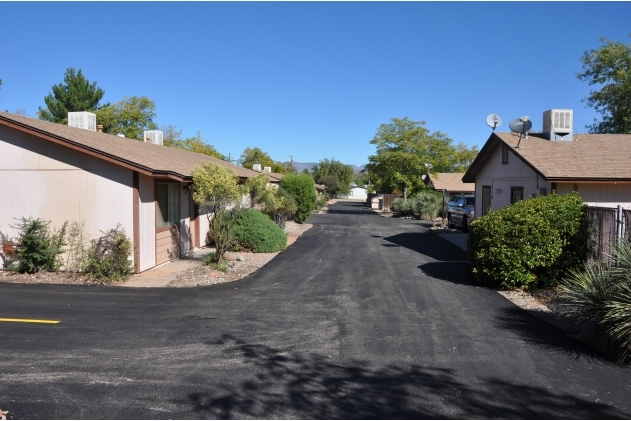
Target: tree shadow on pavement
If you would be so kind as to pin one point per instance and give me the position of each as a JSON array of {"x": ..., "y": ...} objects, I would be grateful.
[
  {"x": 429, "y": 245},
  {"x": 540, "y": 333},
  {"x": 282, "y": 384},
  {"x": 351, "y": 208},
  {"x": 455, "y": 272}
]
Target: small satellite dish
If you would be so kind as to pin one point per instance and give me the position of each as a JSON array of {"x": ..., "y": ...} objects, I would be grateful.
[
  {"x": 520, "y": 126},
  {"x": 493, "y": 120}
]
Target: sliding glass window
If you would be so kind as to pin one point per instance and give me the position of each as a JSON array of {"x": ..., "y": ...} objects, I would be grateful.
[{"x": 167, "y": 204}]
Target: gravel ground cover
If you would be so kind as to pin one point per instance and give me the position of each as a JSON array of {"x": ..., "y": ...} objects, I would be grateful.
[{"x": 200, "y": 275}]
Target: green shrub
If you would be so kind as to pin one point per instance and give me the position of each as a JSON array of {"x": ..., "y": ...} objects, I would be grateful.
[
  {"x": 280, "y": 206},
  {"x": 255, "y": 231},
  {"x": 108, "y": 256},
  {"x": 599, "y": 297},
  {"x": 302, "y": 188},
  {"x": 221, "y": 265},
  {"x": 37, "y": 247},
  {"x": 530, "y": 243}
]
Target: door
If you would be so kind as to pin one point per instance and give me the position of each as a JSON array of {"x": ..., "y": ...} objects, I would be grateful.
[{"x": 486, "y": 199}]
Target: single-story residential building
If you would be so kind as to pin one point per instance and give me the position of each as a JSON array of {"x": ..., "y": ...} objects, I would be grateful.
[
  {"x": 451, "y": 182},
  {"x": 358, "y": 193},
  {"x": 512, "y": 167},
  {"x": 61, "y": 173}
]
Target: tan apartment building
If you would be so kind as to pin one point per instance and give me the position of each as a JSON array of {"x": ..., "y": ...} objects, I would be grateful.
[{"x": 61, "y": 173}]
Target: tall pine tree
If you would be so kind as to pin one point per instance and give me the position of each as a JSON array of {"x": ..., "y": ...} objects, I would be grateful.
[{"x": 76, "y": 93}]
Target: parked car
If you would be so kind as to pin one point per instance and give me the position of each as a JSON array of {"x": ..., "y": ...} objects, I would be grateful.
[{"x": 460, "y": 211}]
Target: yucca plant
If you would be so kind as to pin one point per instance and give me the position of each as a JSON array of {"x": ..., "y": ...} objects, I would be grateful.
[{"x": 599, "y": 297}]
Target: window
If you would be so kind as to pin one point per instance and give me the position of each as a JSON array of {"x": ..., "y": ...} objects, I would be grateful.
[
  {"x": 516, "y": 194},
  {"x": 504, "y": 154},
  {"x": 167, "y": 204}
]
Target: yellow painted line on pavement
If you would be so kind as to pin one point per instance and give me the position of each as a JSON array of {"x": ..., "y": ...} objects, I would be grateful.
[{"x": 49, "y": 322}]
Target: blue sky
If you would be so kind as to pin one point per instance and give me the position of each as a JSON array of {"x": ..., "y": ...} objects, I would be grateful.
[{"x": 313, "y": 80}]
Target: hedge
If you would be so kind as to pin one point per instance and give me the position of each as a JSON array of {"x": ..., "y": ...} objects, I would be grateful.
[{"x": 531, "y": 243}]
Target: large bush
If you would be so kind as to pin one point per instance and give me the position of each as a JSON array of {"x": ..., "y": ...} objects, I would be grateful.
[
  {"x": 108, "y": 256},
  {"x": 530, "y": 243},
  {"x": 599, "y": 297},
  {"x": 38, "y": 248},
  {"x": 255, "y": 231},
  {"x": 302, "y": 188}
]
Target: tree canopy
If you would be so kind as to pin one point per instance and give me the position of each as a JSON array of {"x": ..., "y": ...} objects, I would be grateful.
[
  {"x": 334, "y": 175},
  {"x": 251, "y": 156},
  {"x": 130, "y": 116},
  {"x": 75, "y": 93},
  {"x": 609, "y": 67},
  {"x": 406, "y": 151},
  {"x": 171, "y": 136}
]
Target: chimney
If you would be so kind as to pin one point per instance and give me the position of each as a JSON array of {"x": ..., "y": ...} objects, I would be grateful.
[
  {"x": 256, "y": 167},
  {"x": 267, "y": 169},
  {"x": 99, "y": 127}
]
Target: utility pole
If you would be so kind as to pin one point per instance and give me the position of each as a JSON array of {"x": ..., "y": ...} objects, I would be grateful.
[{"x": 291, "y": 164}]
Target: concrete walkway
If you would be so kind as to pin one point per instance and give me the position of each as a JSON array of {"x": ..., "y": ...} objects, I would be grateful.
[{"x": 160, "y": 276}]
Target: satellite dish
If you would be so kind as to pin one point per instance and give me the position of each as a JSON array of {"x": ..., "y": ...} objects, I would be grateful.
[
  {"x": 520, "y": 126},
  {"x": 493, "y": 120}
]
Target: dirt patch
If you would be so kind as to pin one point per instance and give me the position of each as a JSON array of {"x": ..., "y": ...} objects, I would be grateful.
[
  {"x": 206, "y": 275},
  {"x": 199, "y": 275}
]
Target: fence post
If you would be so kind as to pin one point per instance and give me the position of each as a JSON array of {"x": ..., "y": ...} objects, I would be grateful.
[{"x": 619, "y": 223}]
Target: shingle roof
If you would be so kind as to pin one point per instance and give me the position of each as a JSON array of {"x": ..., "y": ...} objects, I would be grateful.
[
  {"x": 597, "y": 157},
  {"x": 450, "y": 182},
  {"x": 147, "y": 157}
]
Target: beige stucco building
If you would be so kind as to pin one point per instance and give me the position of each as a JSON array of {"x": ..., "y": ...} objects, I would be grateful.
[
  {"x": 597, "y": 166},
  {"x": 60, "y": 173}
]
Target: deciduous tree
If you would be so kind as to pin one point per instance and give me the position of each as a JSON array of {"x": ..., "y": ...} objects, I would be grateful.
[
  {"x": 609, "y": 67},
  {"x": 75, "y": 93},
  {"x": 216, "y": 191},
  {"x": 334, "y": 175},
  {"x": 171, "y": 137},
  {"x": 404, "y": 147},
  {"x": 130, "y": 116}
]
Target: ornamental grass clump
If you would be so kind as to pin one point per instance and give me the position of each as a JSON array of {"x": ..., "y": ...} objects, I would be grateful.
[
  {"x": 598, "y": 297},
  {"x": 531, "y": 243}
]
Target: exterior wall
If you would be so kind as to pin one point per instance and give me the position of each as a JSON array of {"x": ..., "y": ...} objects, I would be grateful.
[
  {"x": 44, "y": 180},
  {"x": 600, "y": 194},
  {"x": 147, "y": 217},
  {"x": 358, "y": 193},
  {"x": 204, "y": 226},
  {"x": 167, "y": 245},
  {"x": 501, "y": 177}
]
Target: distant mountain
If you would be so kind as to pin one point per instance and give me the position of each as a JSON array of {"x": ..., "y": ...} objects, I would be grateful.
[{"x": 300, "y": 166}]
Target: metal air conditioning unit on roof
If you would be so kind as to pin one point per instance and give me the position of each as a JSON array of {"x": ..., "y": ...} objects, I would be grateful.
[
  {"x": 82, "y": 120},
  {"x": 557, "y": 124},
  {"x": 267, "y": 169},
  {"x": 256, "y": 167},
  {"x": 153, "y": 136}
]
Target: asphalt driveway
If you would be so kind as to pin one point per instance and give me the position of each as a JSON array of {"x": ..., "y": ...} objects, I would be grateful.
[{"x": 362, "y": 317}]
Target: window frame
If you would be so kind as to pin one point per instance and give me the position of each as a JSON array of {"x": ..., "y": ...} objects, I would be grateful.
[
  {"x": 504, "y": 154},
  {"x": 157, "y": 208}
]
